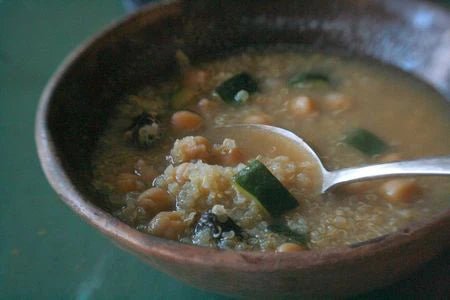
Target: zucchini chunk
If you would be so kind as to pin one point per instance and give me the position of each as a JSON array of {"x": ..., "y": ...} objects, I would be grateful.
[
  {"x": 261, "y": 185},
  {"x": 237, "y": 89},
  {"x": 365, "y": 141},
  {"x": 309, "y": 79}
]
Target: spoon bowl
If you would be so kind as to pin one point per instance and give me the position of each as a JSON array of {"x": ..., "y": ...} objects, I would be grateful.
[{"x": 298, "y": 148}]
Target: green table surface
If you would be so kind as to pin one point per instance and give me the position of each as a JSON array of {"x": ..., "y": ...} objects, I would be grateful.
[{"x": 46, "y": 251}]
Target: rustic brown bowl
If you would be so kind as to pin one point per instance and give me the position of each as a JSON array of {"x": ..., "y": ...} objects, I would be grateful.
[{"x": 139, "y": 50}]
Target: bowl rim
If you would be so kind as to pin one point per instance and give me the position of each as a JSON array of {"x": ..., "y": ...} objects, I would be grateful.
[{"x": 148, "y": 245}]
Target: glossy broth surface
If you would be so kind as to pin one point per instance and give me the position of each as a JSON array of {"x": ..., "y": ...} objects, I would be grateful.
[{"x": 189, "y": 176}]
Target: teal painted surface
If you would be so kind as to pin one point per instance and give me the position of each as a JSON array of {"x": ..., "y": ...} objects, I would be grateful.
[{"x": 46, "y": 251}]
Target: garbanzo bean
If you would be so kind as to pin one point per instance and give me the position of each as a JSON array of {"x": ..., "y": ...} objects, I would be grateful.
[
  {"x": 337, "y": 102},
  {"x": 145, "y": 172},
  {"x": 290, "y": 247},
  {"x": 260, "y": 118},
  {"x": 182, "y": 173},
  {"x": 232, "y": 158},
  {"x": 168, "y": 224},
  {"x": 154, "y": 200},
  {"x": 127, "y": 182},
  {"x": 400, "y": 190},
  {"x": 303, "y": 107},
  {"x": 191, "y": 148},
  {"x": 194, "y": 78},
  {"x": 186, "y": 121},
  {"x": 228, "y": 154}
]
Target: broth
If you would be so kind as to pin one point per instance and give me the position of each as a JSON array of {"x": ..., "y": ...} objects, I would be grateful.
[{"x": 170, "y": 185}]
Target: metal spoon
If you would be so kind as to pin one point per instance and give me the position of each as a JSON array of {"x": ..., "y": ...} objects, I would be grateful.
[{"x": 330, "y": 179}]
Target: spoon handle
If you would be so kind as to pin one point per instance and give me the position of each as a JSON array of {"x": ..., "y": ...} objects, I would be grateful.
[{"x": 426, "y": 166}]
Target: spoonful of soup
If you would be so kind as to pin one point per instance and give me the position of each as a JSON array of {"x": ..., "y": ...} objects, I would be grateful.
[{"x": 264, "y": 140}]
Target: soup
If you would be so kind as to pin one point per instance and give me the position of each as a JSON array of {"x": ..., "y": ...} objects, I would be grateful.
[{"x": 165, "y": 171}]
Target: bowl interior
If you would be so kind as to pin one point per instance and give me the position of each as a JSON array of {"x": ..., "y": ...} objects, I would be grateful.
[{"x": 140, "y": 51}]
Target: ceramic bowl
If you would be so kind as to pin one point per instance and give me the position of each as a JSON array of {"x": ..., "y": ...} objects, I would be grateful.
[{"x": 139, "y": 50}]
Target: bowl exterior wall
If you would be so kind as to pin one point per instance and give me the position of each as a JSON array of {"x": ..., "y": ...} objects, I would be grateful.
[{"x": 331, "y": 275}]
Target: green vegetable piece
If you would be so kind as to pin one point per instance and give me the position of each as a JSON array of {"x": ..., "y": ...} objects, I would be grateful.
[
  {"x": 236, "y": 89},
  {"x": 309, "y": 79},
  {"x": 182, "y": 98},
  {"x": 256, "y": 180},
  {"x": 365, "y": 141},
  {"x": 283, "y": 229}
]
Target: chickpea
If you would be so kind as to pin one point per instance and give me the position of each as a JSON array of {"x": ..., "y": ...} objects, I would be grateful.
[
  {"x": 168, "y": 224},
  {"x": 191, "y": 148},
  {"x": 184, "y": 120},
  {"x": 194, "y": 79},
  {"x": 260, "y": 118},
  {"x": 232, "y": 158},
  {"x": 303, "y": 106},
  {"x": 400, "y": 190},
  {"x": 147, "y": 173},
  {"x": 228, "y": 154},
  {"x": 182, "y": 173},
  {"x": 127, "y": 182},
  {"x": 290, "y": 247},
  {"x": 337, "y": 102},
  {"x": 154, "y": 200}
]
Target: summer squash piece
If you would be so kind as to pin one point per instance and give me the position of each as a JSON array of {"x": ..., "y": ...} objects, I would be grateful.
[
  {"x": 305, "y": 79},
  {"x": 232, "y": 89},
  {"x": 365, "y": 141},
  {"x": 258, "y": 182}
]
